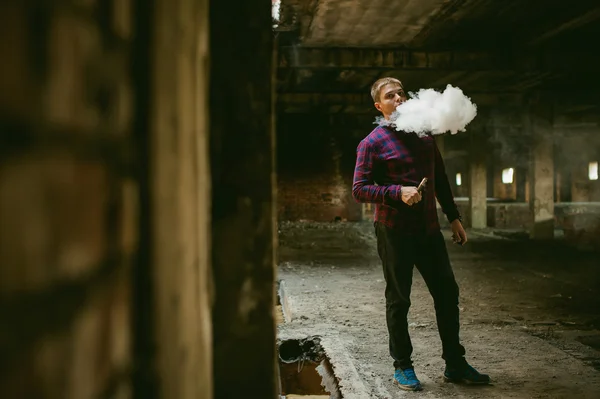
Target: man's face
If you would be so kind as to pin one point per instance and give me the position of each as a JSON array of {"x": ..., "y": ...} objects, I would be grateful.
[{"x": 390, "y": 96}]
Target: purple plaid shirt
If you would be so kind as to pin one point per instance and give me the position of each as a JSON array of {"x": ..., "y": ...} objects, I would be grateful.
[{"x": 386, "y": 160}]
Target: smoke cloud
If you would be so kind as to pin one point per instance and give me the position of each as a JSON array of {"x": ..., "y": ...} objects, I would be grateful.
[{"x": 429, "y": 111}]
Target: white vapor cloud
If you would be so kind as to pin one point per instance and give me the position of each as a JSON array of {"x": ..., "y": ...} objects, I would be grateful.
[{"x": 429, "y": 111}]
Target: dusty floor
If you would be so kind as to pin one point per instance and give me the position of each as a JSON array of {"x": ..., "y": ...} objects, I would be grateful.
[{"x": 530, "y": 313}]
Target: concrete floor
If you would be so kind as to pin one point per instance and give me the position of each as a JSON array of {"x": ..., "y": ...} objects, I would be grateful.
[{"x": 530, "y": 313}]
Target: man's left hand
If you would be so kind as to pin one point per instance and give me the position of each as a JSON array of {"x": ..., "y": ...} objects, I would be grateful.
[{"x": 459, "y": 235}]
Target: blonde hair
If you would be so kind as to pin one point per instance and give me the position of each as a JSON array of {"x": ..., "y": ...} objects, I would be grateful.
[{"x": 378, "y": 85}]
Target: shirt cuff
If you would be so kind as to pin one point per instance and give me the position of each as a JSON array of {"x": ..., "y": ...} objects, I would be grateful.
[
  {"x": 452, "y": 216},
  {"x": 395, "y": 193}
]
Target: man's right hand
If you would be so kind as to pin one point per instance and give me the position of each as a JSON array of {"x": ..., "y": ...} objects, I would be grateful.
[{"x": 410, "y": 195}]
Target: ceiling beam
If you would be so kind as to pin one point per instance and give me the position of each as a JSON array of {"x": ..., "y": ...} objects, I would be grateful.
[
  {"x": 437, "y": 22},
  {"x": 576, "y": 22},
  {"x": 402, "y": 59}
]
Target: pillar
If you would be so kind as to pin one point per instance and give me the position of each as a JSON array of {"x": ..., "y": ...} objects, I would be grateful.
[
  {"x": 539, "y": 122},
  {"x": 521, "y": 183},
  {"x": 243, "y": 211},
  {"x": 478, "y": 180},
  {"x": 173, "y": 281},
  {"x": 580, "y": 182},
  {"x": 581, "y": 145}
]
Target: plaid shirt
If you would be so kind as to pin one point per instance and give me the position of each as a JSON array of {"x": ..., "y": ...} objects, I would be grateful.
[{"x": 386, "y": 160}]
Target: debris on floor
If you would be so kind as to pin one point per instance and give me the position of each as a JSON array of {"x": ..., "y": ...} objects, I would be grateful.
[{"x": 528, "y": 341}]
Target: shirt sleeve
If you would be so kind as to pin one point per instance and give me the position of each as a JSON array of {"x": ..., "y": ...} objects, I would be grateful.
[
  {"x": 364, "y": 188},
  {"x": 443, "y": 192}
]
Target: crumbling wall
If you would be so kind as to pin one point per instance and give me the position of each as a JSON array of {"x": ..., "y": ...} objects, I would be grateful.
[
  {"x": 320, "y": 198},
  {"x": 316, "y": 158},
  {"x": 104, "y": 200},
  {"x": 68, "y": 200}
]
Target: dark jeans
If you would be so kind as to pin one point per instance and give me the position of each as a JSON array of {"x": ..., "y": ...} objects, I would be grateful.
[{"x": 399, "y": 253}]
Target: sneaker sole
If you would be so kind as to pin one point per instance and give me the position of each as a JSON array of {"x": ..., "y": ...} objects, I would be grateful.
[
  {"x": 408, "y": 388},
  {"x": 463, "y": 381}
]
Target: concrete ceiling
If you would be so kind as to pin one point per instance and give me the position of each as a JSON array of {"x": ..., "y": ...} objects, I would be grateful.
[
  {"x": 448, "y": 24},
  {"x": 330, "y": 51},
  {"x": 369, "y": 22}
]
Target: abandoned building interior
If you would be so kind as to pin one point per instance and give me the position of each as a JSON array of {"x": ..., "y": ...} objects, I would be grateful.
[{"x": 176, "y": 209}]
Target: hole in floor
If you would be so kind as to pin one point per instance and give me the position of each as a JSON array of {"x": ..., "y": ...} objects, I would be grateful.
[{"x": 306, "y": 371}]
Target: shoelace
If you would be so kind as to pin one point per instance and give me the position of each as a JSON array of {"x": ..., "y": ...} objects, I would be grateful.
[{"x": 409, "y": 374}]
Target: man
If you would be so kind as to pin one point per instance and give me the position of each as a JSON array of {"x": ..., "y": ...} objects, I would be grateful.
[{"x": 389, "y": 167}]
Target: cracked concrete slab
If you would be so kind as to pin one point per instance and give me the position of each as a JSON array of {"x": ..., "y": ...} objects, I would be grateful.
[{"x": 335, "y": 288}]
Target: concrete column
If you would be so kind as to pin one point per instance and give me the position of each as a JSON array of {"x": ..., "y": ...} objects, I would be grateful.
[
  {"x": 243, "y": 211},
  {"x": 521, "y": 183},
  {"x": 577, "y": 195},
  {"x": 580, "y": 183},
  {"x": 478, "y": 180},
  {"x": 542, "y": 172}
]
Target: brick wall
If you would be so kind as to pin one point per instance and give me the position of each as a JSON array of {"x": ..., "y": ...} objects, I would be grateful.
[
  {"x": 315, "y": 166},
  {"x": 320, "y": 198},
  {"x": 104, "y": 200},
  {"x": 67, "y": 199},
  {"x": 106, "y": 284},
  {"x": 509, "y": 216},
  {"x": 518, "y": 215}
]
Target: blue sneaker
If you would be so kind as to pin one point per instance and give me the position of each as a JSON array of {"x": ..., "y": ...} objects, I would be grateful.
[
  {"x": 407, "y": 379},
  {"x": 467, "y": 374}
]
